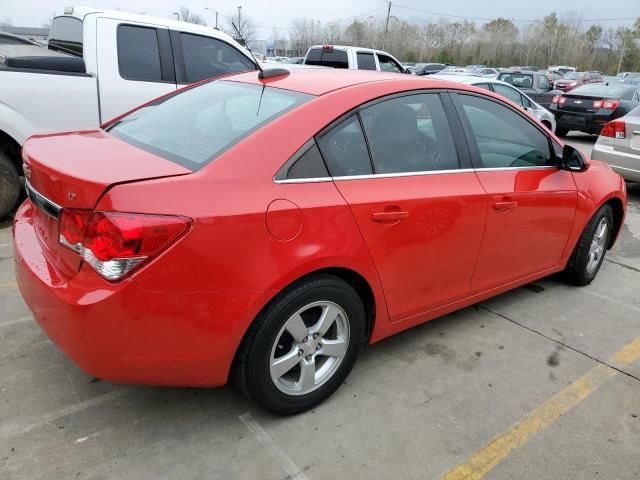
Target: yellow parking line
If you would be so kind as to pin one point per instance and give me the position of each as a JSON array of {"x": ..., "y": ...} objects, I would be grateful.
[
  {"x": 8, "y": 285},
  {"x": 486, "y": 459}
]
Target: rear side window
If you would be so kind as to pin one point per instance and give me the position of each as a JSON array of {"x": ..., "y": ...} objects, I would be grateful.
[
  {"x": 206, "y": 57},
  {"x": 345, "y": 150},
  {"x": 65, "y": 35},
  {"x": 504, "y": 138},
  {"x": 366, "y": 61},
  {"x": 194, "y": 126},
  {"x": 138, "y": 53},
  {"x": 544, "y": 82},
  {"x": 327, "y": 57},
  {"x": 510, "y": 93},
  {"x": 308, "y": 164},
  {"x": 409, "y": 134}
]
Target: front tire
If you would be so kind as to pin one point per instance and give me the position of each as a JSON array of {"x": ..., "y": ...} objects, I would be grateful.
[
  {"x": 302, "y": 346},
  {"x": 9, "y": 185},
  {"x": 588, "y": 255}
]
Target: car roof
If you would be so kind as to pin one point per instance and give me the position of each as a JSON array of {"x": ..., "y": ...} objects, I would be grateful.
[
  {"x": 321, "y": 81},
  {"x": 351, "y": 47}
]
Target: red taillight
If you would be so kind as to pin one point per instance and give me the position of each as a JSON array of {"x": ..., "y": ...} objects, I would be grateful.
[
  {"x": 115, "y": 243},
  {"x": 72, "y": 225},
  {"x": 598, "y": 103},
  {"x": 327, "y": 47},
  {"x": 615, "y": 129},
  {"x": 610, "y": 104},
  {"x": 555, "y": 99}
]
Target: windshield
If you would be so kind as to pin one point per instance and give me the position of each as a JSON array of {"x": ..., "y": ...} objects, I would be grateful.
[
  {"x": 520, "y": 80},
  {"x": 574, "y": 76},
  {"x": 193, "y": 127}
]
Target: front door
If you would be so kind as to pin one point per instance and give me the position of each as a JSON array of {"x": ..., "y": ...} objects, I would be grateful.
[
  {"x": 530, "y": 202},
  {"x": 420, "y": 214}
]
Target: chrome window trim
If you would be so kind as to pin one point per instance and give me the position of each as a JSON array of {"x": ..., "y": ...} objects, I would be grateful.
[
  {"x": 410, "y": 174},
  {"x": 47, "y": 206}
]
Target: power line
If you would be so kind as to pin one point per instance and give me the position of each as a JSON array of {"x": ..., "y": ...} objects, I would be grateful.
[
  {"x": 360, "y": 15},
  {"x": 483, "y": 19}
]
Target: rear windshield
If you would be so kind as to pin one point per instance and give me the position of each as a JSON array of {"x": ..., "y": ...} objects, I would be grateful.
[
  {"x": 65, "y": 35},
  {"x": 520, "y": 80},
  {"x": 600, "y": 90},
  {"x": 634, "y": 113},
  {"x": 327, "y": 58},
  {"x": 193, "y": 127}
]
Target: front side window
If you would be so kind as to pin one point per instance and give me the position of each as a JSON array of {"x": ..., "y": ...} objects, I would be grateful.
[
  {"x": 65, "y": 35},
  {"x": 366, "y": 61},
  {"x": 409, "y": 134},
  {"x": 206, "y": 57},
  {"x": 344, "y": 149},
  {"x": 138, "y": 53},
  {"x": 388, "y": 64},
  {"x": 194, "y": 126},
  {"x": 504, "y": 138},
  {"x": 544, "y": 83}
]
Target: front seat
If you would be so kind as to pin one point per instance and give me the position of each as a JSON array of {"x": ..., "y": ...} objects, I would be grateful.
[{"x": 395, "y": 141}]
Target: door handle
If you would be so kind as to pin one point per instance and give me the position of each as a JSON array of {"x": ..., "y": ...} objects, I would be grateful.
[
  {"x": 389, "y": 216},
  {"x": 505, "y": 205}
]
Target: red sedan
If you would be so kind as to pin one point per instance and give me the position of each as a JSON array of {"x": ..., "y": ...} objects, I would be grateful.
[{"x": 266, "y": 227}]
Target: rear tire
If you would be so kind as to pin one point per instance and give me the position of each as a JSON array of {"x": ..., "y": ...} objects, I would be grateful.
[
  {"x": 9, "y": 185},
  {"x": 589, "y": 253},
  {"x": 291, "y": 360},
  {"x": 561, "y": 132}
]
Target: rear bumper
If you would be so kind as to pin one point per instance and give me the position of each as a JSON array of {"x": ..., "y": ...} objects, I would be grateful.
[
  {"x": 125, "y": 333},
  {"x": 583, "y": 122},
  {"x": 627, "y": 165}
]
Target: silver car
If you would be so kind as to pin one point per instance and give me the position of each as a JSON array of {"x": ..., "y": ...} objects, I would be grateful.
[
  {"x": 619, "y": 145},
  {"x": 506, "y": 90}
]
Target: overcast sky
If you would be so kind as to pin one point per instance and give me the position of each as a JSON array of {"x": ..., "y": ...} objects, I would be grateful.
[{"x": 278, "y": 13}]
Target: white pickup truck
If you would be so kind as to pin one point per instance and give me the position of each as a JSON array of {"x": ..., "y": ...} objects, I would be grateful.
[
  {"x": 98, "y": 65},
  {"x": 354, "y": 58}
]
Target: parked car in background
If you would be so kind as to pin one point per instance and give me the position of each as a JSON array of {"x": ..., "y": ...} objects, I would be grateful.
[
  {"x": 526, "y": 68},
  {"x": 589, "y": 107},
  {"x": 562, "y": 69},
  {"x": 353, "y": 58},
  {"x": 295, "y": 60},
  {"x": 485, "y": 72},
  {"x": 534, "y": 84},
  {"x": 103, "y": 63},
  {"x": 506, "y": 90},
  {"x": 263, "y": 227},
  {"x": 475, "y": 66},
  {"x": 619, "y": 145},
  {"x": 428, "y": 68},
  {"x": 572, "y": 80}
]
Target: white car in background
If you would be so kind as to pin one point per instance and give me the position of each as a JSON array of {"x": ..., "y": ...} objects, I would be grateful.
[
  {"x": 507, "y": 91},
  {"x": 619, "y": 145}
]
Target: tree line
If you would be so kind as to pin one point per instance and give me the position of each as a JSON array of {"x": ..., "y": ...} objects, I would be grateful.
[{"x": 499, "y": 42}]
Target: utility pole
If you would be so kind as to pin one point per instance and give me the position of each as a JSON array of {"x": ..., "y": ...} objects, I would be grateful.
[
  {"x": 240, "y": 17},
  {"x": 624, "y": 45},
  {"x": 216, "y": 12},
  {"x": 386, "y": 27}
]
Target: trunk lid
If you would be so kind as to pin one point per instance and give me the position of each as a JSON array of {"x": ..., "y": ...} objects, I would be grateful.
[
  {"x": 631, "y": 142},
  {"x": 73, "y": 170}
]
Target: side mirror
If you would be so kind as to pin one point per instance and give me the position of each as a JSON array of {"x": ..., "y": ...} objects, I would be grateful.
[{"x": 572, "y": 160}]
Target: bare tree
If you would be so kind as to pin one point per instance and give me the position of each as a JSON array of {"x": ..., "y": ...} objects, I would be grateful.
[
  {"x": 241, "y": 27},
  {"x": 186, "y": 15},
  {"x": 6, "y": 22}
]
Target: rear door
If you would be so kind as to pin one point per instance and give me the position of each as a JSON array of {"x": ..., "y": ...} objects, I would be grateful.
[
  {"x": 135, "y": 65},
  {"x": 420, "y": 208},
  {"x": 531, "y": 203}
]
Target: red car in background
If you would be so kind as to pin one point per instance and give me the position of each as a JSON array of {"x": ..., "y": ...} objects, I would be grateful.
[
  {"x": 265, "y": 227},
  {"x": 572, "y": 80}
]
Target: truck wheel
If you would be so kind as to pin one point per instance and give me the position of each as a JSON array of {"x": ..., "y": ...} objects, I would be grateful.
[
  {"x": 9, "y": 185},
  {"x": 561, "y": 132}
]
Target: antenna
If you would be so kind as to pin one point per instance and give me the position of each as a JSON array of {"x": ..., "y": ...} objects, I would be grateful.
[{"x": 246, "y": 46}]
